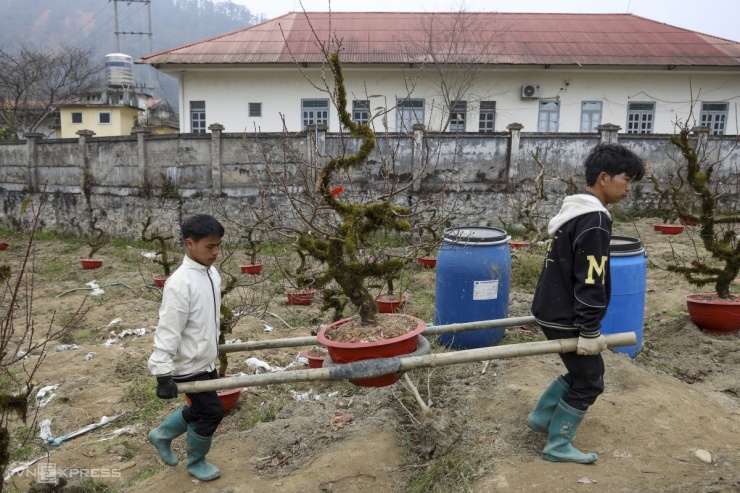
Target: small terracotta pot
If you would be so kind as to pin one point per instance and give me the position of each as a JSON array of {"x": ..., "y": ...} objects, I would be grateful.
[
  {"x": 668, "y": 229},
  {"x": 3, "y": 246},
  {"x": 252, "y": 269},
  {"x": 714, "y": 317},
  {"x": 390, "y": 303},
  {"x": 518, "y": 244},
  {"x": 313, "y": 361},
  {"x": 427, "y": 262},
  {"x": 91, "y": 263},
  {"x": 160, "y": 280},
  {"x": 300, "y": 296},
  {"x": 228, "y": 397}
]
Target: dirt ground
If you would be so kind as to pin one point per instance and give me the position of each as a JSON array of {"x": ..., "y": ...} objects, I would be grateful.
[{"x": 680, "y": 395}]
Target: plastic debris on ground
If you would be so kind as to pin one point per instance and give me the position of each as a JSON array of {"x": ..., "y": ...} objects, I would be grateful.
[
  {"x": 149, "y": 255},
  {"x": 300, "y": 359},
  {"x": 131, "y": 430},
  {"x": 66, "y": 347},
  {"x": 115, "y": 337},
  {"x": 92, "y": 426},
  {"x": 268, "y": 328},
  {"x": 309, "y": 394},
  {"x": 260, "y": 366},
  {"x": 233, "y": 341},
  {"x": 18, "y": 467},
  {"x": 45, "y": 429},
  {"x": 45, "y": 394},
  {"x": 115, "y": 321},
  {"x": 96, "y": 291},
  {"x": 90, "y": 355}
]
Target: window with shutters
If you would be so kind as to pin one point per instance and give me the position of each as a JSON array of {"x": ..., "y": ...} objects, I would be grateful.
[
  {"x": 314, "y": 111},
  {"x": 255, "y": 109},
  {"x": 714, "y": 116},
  {"x": 487, "y": 118},
  {"x": 640, "y": 116}
]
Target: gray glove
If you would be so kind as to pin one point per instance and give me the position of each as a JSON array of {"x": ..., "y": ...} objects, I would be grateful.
[{"x": 591, "y": 347}]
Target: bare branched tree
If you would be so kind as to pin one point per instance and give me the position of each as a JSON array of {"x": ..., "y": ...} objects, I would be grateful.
[{"x": 33, "y": 82}]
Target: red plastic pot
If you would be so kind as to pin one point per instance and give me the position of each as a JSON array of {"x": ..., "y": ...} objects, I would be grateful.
[
  {"x": 518, "y": 244},
  {"x": 91, "y": 263},
  {"x": 300, "y": 296},
  {"x": 347, "y": 352},
  {"x": 427, "y": 262},
  {"x": 3, "y": 246},
  {"x": 252, "y": 269},
  {"x": 390, "y": 303},
  {"x": 687, "y": 222},
  {"x": 160, "y": 280},
  {"x": 228, "y": 397},
  {"x": 714, "y": 316},
  {"x": 668, "y": 229},
  {"x": 314, "y": 361}
]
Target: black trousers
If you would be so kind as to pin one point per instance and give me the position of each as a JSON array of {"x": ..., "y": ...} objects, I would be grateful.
[
  {"x": 585, "y": 373},
  {"x": 206, "y": 410}
]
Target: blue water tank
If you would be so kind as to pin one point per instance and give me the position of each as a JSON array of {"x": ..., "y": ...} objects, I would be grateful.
[
  {"x": 472, "y": 283},
  {"x": 626, "y": 310}
]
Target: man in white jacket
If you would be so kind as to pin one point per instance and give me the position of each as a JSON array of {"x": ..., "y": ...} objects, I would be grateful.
[{"x": 186, "y": 346}]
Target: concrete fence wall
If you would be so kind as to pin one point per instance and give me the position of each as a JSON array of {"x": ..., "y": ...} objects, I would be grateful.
[{"x": 122, "y": 180}]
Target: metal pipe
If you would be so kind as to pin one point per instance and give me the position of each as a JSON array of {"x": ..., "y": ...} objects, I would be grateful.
[
  {"x": 433, "y": 330},
  {"x": 339, "y": 372}
]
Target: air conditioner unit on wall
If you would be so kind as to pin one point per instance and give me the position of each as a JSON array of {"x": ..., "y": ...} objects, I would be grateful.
[{"x": 530, "y": 91}]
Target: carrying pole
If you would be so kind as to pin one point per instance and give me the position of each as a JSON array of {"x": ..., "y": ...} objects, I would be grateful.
[
  {"x": 355, "y": 370},
  {"x": 433, "y": 330}
]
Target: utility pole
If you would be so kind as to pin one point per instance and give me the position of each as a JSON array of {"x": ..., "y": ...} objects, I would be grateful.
[{"x": 147, "y": 33}]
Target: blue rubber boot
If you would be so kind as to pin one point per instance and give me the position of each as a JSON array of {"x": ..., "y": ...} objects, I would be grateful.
[
  {"x": 563, "y": 428},
  {"x": 198, "y": 448},
  {"x": 539, "y": 419},
  {"x": 161, "y": 437}
]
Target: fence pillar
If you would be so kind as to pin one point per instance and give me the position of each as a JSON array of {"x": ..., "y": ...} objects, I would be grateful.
[
  {"x": 87, "y": 179},
  {"x": 515, "y": 136},
  {"x": 418, "y": 129},
  {"x": 141, "y": 133},
  {"x": 216, "y": 131},
  {"x": 315, "y": 142},
  {"x": 32, "y": 160},
  {"x": 609, "y": 133}
]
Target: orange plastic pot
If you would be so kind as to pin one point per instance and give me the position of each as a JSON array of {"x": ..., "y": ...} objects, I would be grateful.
[
  {"x": 518, "y": 244},
  {"x": 427, "y": 262},
  {"x": 669, "y": 229},
  {"x": 390, "y": 303},
  {"x": 91, "y": 263},
  {"x": 228, "y": 397},
  {"x": 252, "y": 269},
  {"x": 159, "y": 281},
  {"x": 300, "y": 296},
  {"x": 714, "y": 316}
]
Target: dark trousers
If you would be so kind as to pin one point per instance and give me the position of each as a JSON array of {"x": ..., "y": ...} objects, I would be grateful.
[
  {"x": 585, "y": 373},
  {"x": 206, "y": 409}
]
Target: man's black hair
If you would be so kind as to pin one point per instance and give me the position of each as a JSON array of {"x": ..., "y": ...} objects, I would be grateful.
[
  {"x": 614, "y": 159},
  {"x": 199, "y": 226}
]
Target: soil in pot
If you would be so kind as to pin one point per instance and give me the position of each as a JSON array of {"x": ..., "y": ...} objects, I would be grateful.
[
  {"x": 390, "y": 303},
  {"x": 300, "y": 296},
  {"x": 393, "y": 335},
  {"x": 713, "y": 314},
  {"x": 316, "y": 356},
  {"x": 91, "y": 263}
]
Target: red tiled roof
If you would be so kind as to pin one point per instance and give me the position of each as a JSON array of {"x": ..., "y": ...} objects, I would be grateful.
[{"x": 500, "y": 38}]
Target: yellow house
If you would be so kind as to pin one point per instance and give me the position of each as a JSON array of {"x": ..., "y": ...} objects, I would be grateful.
[{"x": 104, "y": 120}]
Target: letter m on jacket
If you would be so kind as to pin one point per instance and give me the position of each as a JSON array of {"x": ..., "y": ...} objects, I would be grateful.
[{"x": 598, "y": 268}]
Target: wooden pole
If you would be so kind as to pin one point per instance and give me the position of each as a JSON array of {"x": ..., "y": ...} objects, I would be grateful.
[
  {"x": 339, "y": 372},
  {"x": 433, "y": 330}
]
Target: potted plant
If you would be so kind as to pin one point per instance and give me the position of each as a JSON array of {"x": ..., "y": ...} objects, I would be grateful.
[
  {"x": 391, "y": 302},
  {"x": 705, "y": 172},
  {"x": 667, "y": 201},
  {"x": 161, "y": 253},
  {"x": 254, "y": 267},
  {"x": 97, "y": 240},
  {"x": 315, "y": 356}
]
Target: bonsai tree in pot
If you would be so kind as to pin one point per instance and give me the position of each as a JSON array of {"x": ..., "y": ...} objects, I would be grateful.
[
  {"x": 708, "y": 176},
  {"x": 96, "y": 240},
  {"x": 162, "y": 256}
]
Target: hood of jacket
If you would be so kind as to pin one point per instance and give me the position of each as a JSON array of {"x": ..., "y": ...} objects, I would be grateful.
[{"x": 574, "y": 206}]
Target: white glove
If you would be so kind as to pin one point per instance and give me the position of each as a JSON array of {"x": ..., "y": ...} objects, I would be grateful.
[{"x": 590, "y": 347}]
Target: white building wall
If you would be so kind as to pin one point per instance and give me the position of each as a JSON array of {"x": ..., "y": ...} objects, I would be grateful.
[{"x": 228, "y": 92}]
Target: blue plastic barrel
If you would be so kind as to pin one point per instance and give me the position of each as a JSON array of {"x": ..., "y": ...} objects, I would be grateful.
[
  {"x": 626, "y": 311},
  {"x": 472, "y": 283}
]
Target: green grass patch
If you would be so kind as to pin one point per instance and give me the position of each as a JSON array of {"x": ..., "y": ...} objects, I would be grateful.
[
  {"x": 451, "y": 472},
  {"x": 146, "y": 406},
  {"x": 525, "y": 269},
  {"x": 253, "y": 411}
]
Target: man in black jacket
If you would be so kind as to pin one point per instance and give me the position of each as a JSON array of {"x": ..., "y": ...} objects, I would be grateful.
[{"x": 573, "y": 293}]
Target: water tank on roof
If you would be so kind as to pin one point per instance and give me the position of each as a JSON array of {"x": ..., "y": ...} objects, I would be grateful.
[{"x": 119, "y": 70}]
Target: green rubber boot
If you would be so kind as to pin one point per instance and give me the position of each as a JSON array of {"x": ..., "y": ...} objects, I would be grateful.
[
  {"x": 539, "y": 419},
  {"x": 198, "y": 447},
  {"x": 161, "y": 437},
  {"x": 565, "y": 422}
]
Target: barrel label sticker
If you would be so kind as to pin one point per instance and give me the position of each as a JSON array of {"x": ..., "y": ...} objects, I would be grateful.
[{"x": 485, "y": 290}]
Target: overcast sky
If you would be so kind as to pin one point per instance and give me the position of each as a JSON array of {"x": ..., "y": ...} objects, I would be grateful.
[{"x": 717, "y": 17}]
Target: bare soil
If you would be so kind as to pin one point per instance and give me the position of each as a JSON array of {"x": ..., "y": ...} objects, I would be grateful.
[{"x": 680, "y": 395}]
